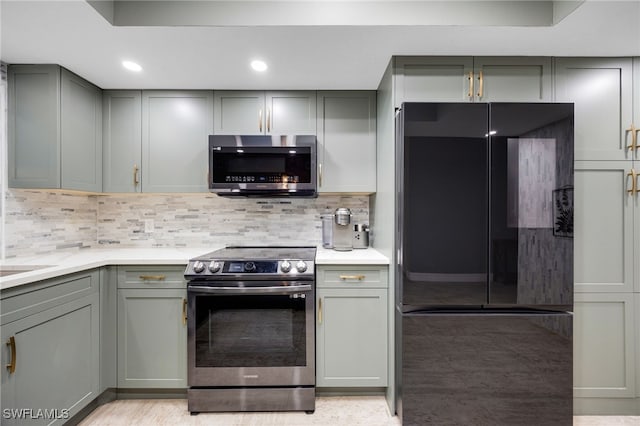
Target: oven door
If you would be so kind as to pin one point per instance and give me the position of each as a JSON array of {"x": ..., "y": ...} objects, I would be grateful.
[{"x": 261, "y": 334}]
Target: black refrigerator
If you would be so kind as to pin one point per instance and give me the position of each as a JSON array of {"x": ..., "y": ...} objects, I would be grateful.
[{"x": 484, "y": 275}]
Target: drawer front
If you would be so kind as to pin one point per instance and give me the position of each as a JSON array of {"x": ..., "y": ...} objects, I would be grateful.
[
  {"x": 43, "y": 295},
  {"x": 352, "y": 277},
  {"x": 151, "y": 277}
]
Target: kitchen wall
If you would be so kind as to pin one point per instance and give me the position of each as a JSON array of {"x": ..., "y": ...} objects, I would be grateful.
[{"x": 41, "y": 221}]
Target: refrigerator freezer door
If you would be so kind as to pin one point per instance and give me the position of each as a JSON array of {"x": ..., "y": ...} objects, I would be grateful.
[
  {"x": 443, "y": 204},
  {"x": 486, "y": 369}
]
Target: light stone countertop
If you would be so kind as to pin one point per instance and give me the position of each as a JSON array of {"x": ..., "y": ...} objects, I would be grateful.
[{"x": 63, "y": 263}]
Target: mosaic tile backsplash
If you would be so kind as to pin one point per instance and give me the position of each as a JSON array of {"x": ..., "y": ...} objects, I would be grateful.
[{"x": 42, "y": 221}]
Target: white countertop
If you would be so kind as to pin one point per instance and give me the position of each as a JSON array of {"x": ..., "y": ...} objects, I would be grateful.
[
  {"x": 62, "y": 263},
  {"x": 368, "y": 256}
]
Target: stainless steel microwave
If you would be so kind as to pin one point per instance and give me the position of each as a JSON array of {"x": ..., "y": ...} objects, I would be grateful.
[{"x": 263, "y": 166}]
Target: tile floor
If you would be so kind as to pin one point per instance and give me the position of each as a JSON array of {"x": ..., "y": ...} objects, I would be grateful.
[{"x": 330, "y": 411}]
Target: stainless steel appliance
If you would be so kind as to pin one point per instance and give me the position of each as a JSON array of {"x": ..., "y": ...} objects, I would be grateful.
[
  {"x": 342, "y": 233},
  {"x": 251, "y": 329},
  {"x": 485, "y": 263},
  {"x": 262, "y": 166},
  {"x": 360, "y": 236}
]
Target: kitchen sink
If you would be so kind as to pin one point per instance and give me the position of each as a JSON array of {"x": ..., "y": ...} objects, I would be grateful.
[{"x": 6, "y": 270}]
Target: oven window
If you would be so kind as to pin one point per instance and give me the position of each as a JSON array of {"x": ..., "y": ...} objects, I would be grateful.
[{"x": 250, "y": 331}]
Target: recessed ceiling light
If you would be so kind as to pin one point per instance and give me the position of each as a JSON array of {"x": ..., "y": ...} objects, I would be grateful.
[
  {"x": 131, "y": 66},
  {"x": 259, "y": 65}
]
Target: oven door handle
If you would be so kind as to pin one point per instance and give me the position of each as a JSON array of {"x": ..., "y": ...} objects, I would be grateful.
[{"x": 249, "y": 290}]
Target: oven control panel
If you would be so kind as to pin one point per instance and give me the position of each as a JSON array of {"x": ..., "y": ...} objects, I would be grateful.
[{"x": 273, "y": 268}]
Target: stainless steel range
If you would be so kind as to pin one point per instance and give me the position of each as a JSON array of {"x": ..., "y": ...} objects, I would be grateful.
[{"x": 251, "y": 333}]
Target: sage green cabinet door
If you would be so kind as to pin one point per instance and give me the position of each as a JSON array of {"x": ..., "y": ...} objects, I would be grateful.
[
  {"x": 152, "y": 338},
  {"x": 243, "y": 112},
  {"x": 601, "y": 89},
  {"x": 473, "y": 79},
  {"x": 34, "y": 126},
  {"x": 175, "y": 132},
  {"x": 81, "y": 126},
  {"x": 433, "y": 79},
  {"x": 351, "y": 337},
  {"x": 604, "y": 345},
  {"x": 290, "y": 113},
  {"x": 122, "y": 129},
  {"x": 239, "y": 112},
  {"x": 509, "y": 79},
  {"x": 56, "y": 363},
  {"x": 603, "y": 238},
  {"x": 347, "y": 141}
]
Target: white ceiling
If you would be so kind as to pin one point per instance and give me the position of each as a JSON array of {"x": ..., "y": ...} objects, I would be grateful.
[{"x": 74, "y": 35}]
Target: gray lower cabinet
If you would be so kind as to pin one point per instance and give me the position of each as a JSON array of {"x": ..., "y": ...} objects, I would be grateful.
[
  {"x": 175, "y": 129},
  {"x": 152, "y": 330},
  {"x": 55, "y": 129},
  {"x": 346, "y": 141},
  {"x": 351, "y": 326},
  {"x": 51, "y": 340},
  {"x": 605, "y": 366}
]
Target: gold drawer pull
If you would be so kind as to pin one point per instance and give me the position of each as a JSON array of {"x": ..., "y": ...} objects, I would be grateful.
[
  {"x": 320, "y": 311},
  {"x": 12, "y": 365},
  {"x": 352, "y": 277},
  {"x": 152, "y": 277}
]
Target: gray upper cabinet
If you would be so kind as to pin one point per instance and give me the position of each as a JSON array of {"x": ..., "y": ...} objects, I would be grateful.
[
  {"x": 175, "y": 130},
  {"x": 472, "y": 79},
  {"x": 290, "y": 112},
  {"x": 346, "y": 141},
  {"x": 55, "y": 129},
  {"x": 509, "y": 79},
  {"x": 434, "y": 79},
  {"x": 34, "y": 126},
  {"x": 602, "y": 91},
  {"x": 81, "y": 118},
  {"x": 122, "y": 143},
  {"x": 260, "y": 113}
]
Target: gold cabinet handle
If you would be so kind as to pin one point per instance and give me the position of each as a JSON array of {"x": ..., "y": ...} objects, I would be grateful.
[
  {"x": 152, "y": 277},
  {"x": 260, "y": 121},
  {"x": 481, "y": 85},
  {"x": 470, "y": 94},
  {"x": 184, "y": 311},
  {"x": 268, "y": 120},
  {"x": 320, "y": 311},
  {"x": 12, "y": 345},
  {"x": 320, "y": 173},
  {"x": 634, "y": 181},
  {"x": 136, "y": 180},
  {"x": 352, "y": 277},
  {"x": 634, "y": 136}
]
